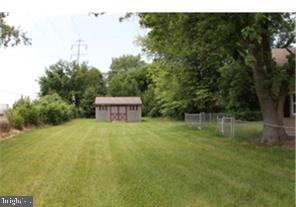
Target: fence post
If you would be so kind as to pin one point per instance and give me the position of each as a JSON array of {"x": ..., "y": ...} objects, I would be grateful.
[
  {"x": 233, "y": 126},
  {"x": 222, "y": 126}
]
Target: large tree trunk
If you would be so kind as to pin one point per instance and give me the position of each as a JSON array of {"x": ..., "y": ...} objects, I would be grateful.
[
  {"x": 273, "y": 131},
  {"x": 271, "y": 107}
]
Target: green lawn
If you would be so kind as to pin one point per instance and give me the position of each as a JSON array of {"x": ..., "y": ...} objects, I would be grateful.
[{"x": 152, "y": 163}]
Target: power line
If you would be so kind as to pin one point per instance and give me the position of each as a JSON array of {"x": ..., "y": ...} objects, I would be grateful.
[
  {"x": 60, "y": 37},
  {"x": 79, "y": 43},
  {"x": 56, "y": 30},
  {"x": 74, "y": 25},
  {"x": 45, "y": 35},
  {"x": 10, "y": 92},
  {"x": 41, "y": 30},
  {"x": 13, "y": 93}
]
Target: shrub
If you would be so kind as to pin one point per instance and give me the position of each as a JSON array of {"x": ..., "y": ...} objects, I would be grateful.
[
  {"x": 50, "y": 109},
  {"x": 15, "y": 119},
  {"x": 53, "y": 110},
  {"x": 4, "y": 125},
  {"x": 27, "y": 110}
]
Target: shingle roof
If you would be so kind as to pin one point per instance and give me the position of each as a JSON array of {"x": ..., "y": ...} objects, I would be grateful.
[
  {"x": 280, "y": 55},
  {"x": 118, "y": 101}
]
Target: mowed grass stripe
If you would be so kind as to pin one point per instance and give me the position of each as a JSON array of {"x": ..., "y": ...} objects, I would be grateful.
[
  {"x": 165, "y": 176},
  {"x": 241, "y": 167},
  {"x": 152, "y": 163},
  {"x": 24, "y": 149},
  {"x": 66, "y": 165},
  {"x": 210, "y": 166},
  {"x": 32, "y": 172}
]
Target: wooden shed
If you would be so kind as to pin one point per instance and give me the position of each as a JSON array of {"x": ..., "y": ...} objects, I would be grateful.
[{"x": 118, "y": 109}]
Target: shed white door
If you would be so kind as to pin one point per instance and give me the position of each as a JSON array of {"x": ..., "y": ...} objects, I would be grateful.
[
  {"x": 118, "y": 113},
  {"x": 113, "y": 113},
  {"x": 122, "y": 113}
]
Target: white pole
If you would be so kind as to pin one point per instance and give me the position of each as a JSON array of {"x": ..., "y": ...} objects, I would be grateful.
[{"x": 222, "y": 126}]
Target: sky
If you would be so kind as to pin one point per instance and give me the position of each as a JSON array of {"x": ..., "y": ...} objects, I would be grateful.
[{"x": 52, "y": 39}]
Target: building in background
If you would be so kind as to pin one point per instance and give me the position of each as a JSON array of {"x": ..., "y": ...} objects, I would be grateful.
[
  {"x": 3, "y": 109},
  {"x": 127, "y": 109},
  {"x": 280, "y": 57}
]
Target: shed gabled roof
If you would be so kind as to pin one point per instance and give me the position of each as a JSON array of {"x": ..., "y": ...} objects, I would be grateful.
[{"x": 118, "y": 100}]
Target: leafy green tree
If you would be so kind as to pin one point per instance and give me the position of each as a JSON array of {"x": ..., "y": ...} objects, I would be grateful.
[
  {"x": 87, "y": 102},
  {"x": 124, "y": 63},
  {"x": 71, "y": 82},
  {"x": 176, "y": 91},
  {"x": 127, "y": 76},
  {"x": 203, "y": 43},
  {"x": 10, "y": 35},
  {"x": 123, "y": 85},
  {"x": 237, "y": 91},
  {"x": 82, "y": 77},
  {"x": 57, "y": 79},
  {"x": 131, "y": 78}
]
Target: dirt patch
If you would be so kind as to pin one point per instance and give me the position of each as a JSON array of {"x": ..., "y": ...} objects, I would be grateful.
[
  {"x": 12, "y": 133},
  {"x": 289, "y": 144}
]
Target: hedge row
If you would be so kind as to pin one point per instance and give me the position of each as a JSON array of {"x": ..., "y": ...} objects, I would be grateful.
[{"x": 50, "y": 109}]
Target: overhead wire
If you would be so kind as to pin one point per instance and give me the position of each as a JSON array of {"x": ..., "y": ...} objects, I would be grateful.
[
  {"x": 13, "y": 93},
  {"x": 46, "y": 37},
  {"x": 74, "y": 25}
]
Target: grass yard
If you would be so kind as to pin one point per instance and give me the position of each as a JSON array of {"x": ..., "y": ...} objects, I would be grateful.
[{"x": 152, "y": 163}]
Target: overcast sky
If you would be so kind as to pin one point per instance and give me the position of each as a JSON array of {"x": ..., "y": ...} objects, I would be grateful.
[{"x": 52, "y": 38}]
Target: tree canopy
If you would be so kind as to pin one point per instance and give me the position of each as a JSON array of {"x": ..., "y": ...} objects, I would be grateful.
[
  {"x": 10, "y": 35},
  {"x": 77, "y": 84},
  {"x": 124, "y": 63},
  {"x": 202, "y": 44}
]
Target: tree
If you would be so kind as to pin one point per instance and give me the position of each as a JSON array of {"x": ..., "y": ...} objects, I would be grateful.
[
  {"x": 57, "y": 79},
  {"x": 206, "y": 42},
  {"x": 127, "y": 76},
  {"x": 237, "y": 92},
  {"x": 124, "y": 63},
  {"x": 74, "y": 83},
  {"x": 87, "y": 102},
  {"x": 9, "y": 35},
  {"x": 122, "y": 85}
]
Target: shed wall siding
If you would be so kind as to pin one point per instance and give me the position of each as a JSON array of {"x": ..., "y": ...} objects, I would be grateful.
[
  {"x": 132, "y": 115},
  {"x": 102, "y": 115}
]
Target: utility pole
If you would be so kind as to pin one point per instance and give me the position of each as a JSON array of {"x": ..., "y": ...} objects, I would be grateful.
[{"x": 79, "y": 45}]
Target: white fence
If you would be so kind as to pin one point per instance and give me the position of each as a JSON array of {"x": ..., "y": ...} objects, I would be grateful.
[
  {"x": 199, "y": 120},
  {"x": 194, "y": 120},
  {"x": 225, "y": 124}
]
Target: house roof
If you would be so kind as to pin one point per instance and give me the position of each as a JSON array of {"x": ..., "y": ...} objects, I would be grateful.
[
  {"x": 118, "y": 100},
  {"x": 280, "y": 55},
  {"x": 3, "y": 108}
]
